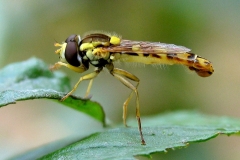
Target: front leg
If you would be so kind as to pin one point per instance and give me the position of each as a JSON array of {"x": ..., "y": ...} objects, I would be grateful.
[{"x": 57, "y": 65}]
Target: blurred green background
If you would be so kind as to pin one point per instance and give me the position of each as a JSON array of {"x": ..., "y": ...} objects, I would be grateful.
[{"x": 210, "y": 28}]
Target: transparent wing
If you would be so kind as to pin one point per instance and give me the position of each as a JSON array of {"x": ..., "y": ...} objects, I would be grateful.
[
  {"x": 160, "y": 53},
  {"x": 128, "y": 46}
]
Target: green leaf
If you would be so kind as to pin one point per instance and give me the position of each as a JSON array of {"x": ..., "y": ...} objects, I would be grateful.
[
  {"x": 32, "y": 79},
  {"x": 181, "y": 128}
]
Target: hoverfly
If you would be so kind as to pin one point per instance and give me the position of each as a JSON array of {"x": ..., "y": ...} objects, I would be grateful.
[{"x": 102, "y": 50}]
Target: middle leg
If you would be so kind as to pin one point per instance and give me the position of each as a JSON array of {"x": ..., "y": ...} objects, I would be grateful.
[{"x": 90, "y": 77}]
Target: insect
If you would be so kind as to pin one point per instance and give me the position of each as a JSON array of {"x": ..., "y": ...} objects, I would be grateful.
[{"x": 102, "y": 50}]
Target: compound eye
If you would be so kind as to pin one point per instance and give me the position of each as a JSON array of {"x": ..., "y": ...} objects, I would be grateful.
[
  {"x": 71, "y": 38},
  {"x": 72, "y": 52}
]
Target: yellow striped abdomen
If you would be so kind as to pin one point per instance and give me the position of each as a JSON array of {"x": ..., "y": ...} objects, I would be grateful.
[{"x": 200, "y": 65}]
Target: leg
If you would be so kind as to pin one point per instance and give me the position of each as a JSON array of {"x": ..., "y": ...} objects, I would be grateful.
[
  {"x": 125, "y": 105},
  {"x": 86, "y": 77},
  {"x": 76, "y": 69},
  {"x": 88, "y": 89},
  {"x": 120, "y": 74}
]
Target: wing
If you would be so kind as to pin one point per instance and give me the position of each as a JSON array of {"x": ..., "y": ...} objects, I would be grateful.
[
  {"x": 159, "y": 53},
  {"x": 148, "y": 52},
  {"x": 128, "y": 46}
]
